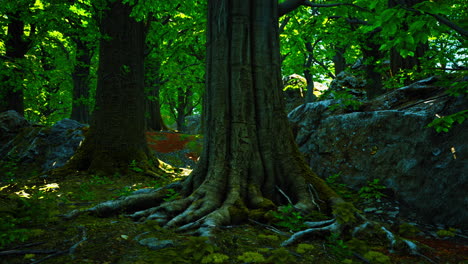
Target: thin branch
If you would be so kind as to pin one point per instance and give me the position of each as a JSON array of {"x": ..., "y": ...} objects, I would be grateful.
[
  {"x": 443, "y": 20},
  {"x": 310, "y": 4}
]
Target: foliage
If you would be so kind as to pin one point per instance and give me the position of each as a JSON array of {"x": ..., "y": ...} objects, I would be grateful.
[
  {"x": 377, "y": 257},
  {"x": 171, "y": 195},
  {"x": 408, "y": 230},
  {"x": 337, "y": 245},
  {"x": 251, "y": 257},
  {"x": 26, "y": 210},
  {"x": 334, "y": 182},
  {"x": 281, "y": 256},
  {"x": 344, "y": 212},
  {"x": 371, "y": 191},
  {"x": 447, "y": 232},
  {"x": 345, "y": 100},
  {"x": 445, "y": 123},
  {"x": 289, "y": 218},
  {"x": 304, "y": 248},
  {"x": 357, "y": 245},
  {"x": 134, "y": 167}
]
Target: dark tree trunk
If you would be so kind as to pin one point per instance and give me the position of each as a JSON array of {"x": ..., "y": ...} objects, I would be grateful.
[
  {"x": 116, "y": 136},
  {"x": 397, "y": 62},
  {"x": 16, "y": 47},
  {"x": 249, "y": 153},
  {"x": 154, "y": 120},
  {"x": 81, "y": 76},
  {"x": 372, "y": 55},
  {"x": 339, "y": 60}
]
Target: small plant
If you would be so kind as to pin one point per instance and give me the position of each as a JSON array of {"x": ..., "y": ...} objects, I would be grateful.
[
  {"x": 304, "y": 248},
  {"x": 345, "y": 100},
  {"x": 338, "y": 246},
  {"x": 377, "y": 257},
  {"x": 341, "y": 188},
  {"x": 447, "y": 233},
  {"x": 85, "y": 193},
  {"x": 289, "y": 218},
  {"x": 252, "y": 257},
  {"x": 408, "y": 230},
  {"x": 281, "y": 256},
  {"x": 171, "y": 195},
  {"x": 344, "y": 212},
  {"x": 125, "y": 191},
  {"x": 214, "y": 258},
  {"x": 134, "y": 167},
  {"x": 371, "y": 191},
  {"x": 198, "y": 248},
  {"x": 100, "y": 180},
  {"x": 357, "y": 245}
]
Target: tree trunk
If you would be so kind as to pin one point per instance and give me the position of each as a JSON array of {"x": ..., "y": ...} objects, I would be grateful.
[
  {"x": 80, "y": 75},
  {"x": 249, "y": 153},
  {"x": 116, "y": 136},
  {"x": 16, "y": 48},
  {"x": 372, "y": 55},
  {"x": 339, "y": 60},
  {"x": 154, "y": 120}
]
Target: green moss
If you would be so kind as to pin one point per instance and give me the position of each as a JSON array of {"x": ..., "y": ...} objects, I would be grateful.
[{"x": 238, "y": 212}]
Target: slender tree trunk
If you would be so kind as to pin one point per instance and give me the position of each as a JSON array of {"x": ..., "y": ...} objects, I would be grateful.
[
  {"x": 154, "y": 120},
  {"x": 116, "y": 136},
  {"x": 371, "y": 53},
  {"x": 16, "y": 48},
  {"x": 81, "y": 76},
  {"x": 339, "y": 60}
]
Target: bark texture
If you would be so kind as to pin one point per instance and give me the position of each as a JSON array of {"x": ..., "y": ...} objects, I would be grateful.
[
  {"x": 81, "y": 75},
  {"x": 116, "y": 136}
]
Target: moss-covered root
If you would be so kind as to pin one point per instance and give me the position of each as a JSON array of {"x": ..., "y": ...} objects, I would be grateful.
[{"x": 128, "y": 204}]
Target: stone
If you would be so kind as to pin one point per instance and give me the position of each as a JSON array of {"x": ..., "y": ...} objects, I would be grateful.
[
  {"x": 156, "y": 244},
  {"x": 49, "y": 146},
  {"x": 387, "y": 138},
  {"x": 10, "y": 123}
]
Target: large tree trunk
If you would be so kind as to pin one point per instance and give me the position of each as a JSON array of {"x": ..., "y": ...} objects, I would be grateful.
[
  {"x": 249, "y": 153},
  {"x": 116, "y": 136}
]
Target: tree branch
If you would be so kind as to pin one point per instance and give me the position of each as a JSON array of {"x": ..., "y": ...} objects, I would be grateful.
[
  {"x": 310, "y": 4},
  {"x": 444, "y": 21},
  {"x": 289, "y": 6}
]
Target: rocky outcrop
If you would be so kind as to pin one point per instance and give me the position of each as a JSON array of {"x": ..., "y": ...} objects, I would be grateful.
[
  {"x": 49, "y": 146},
  {"x": 388, "y": 139}
]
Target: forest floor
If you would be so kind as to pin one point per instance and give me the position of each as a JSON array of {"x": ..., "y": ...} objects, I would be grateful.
[{"x": 32, "y": 231}]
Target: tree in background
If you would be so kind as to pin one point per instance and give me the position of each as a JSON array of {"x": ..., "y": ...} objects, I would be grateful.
[
  {"x": 116, "y": 135},
  {"x": 17, "y": 44}
]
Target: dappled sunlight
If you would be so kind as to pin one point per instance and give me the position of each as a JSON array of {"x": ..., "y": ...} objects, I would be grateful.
[{"x": 452, "y": 149}]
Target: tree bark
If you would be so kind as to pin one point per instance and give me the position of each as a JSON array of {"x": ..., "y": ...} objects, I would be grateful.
[
  {"x": 81, "y": 75},
  {"x": 116, "y": 135},
  {"x": 16, "y": 47}
]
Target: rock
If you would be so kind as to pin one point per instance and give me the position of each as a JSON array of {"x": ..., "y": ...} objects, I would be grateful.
[
  {"x": 389, "y": 140},
  {"x": 193, "y": 125},
  {"x": 10, "y": 123},
  {"x": 49, "y": 146},
  {"x": 350, "y": 83},
  {"x": 155, "y": 244}
]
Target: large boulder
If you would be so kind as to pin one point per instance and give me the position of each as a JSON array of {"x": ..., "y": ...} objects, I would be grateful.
[
  {"x": 49, "y": 146},
  {"x": 388, "y": 139}
]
